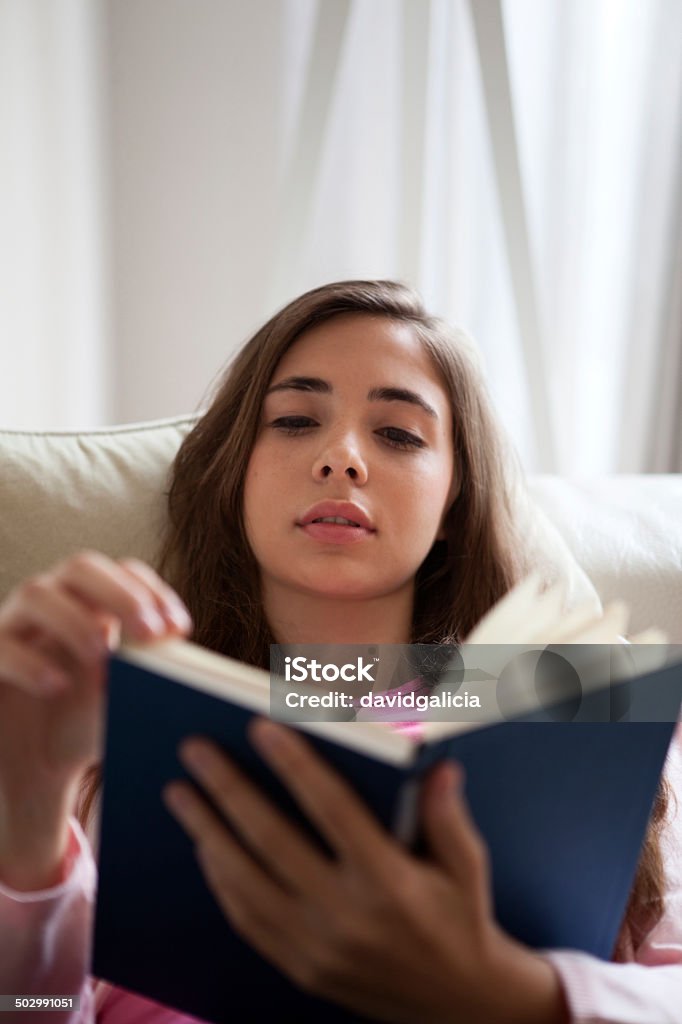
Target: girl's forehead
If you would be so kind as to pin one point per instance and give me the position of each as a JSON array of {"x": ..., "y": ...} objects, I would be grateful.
[
  {"x": 359, "y": 358},
  {"x": 357, "y": 343}
]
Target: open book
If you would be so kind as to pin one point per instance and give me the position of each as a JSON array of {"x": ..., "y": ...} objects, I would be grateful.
[{"x": 562, "y": 801}]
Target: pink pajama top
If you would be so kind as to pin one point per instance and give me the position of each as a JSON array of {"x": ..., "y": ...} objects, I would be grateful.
[{"x": 45, "y": 950}]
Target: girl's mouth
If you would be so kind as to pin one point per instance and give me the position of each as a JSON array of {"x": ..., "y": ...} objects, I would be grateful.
[{"x": 335, "y": 530}]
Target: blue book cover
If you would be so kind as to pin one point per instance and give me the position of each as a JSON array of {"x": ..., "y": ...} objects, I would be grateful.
[{"x": 563, "y": 807}]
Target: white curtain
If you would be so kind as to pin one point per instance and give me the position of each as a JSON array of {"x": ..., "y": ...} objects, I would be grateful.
[
  {"x": 517, "y": 161},
  {"x": 535, "y": 203},
  {"x": 598, "y": 95}
]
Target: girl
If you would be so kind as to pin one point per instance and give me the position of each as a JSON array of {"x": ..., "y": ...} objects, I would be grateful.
[{"x": 346, "y": 485}]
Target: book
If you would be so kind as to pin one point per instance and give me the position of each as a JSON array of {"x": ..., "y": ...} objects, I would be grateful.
[{"x": 563, "y": 807}]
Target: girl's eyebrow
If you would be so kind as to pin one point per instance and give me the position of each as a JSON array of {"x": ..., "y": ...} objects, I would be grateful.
[
  {"x": 323, "y": 387},
  {"x": 401, "y": 395}
]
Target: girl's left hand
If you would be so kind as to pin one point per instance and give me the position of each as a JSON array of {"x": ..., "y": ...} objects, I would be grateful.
[{"x": 375, "y": 929}]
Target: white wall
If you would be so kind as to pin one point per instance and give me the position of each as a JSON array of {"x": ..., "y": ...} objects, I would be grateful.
[
  {"x": 194, "y": 94},
  {"x": 53, "y": 248}
]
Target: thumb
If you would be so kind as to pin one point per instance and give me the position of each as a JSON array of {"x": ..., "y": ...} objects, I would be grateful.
[{"x": 452, "y": 837}]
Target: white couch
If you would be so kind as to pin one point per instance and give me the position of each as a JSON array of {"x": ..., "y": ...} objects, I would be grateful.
[
  {"x": 61, "y": 492},
  {"x": 626, "y": 533}
]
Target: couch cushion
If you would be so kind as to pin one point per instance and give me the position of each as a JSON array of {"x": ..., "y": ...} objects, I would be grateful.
[{"x": 103, "y": 489}]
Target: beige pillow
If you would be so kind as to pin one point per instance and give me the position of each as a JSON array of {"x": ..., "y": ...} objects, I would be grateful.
[
  {"x": 105, "y": 489},
  {"x": 63, "y": 492}
]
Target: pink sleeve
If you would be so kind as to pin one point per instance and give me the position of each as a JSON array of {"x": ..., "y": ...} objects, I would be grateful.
[
  {"x": 648, "y": 991},
  {"x": 45, "y": 943},
  {"x": 45, "y": 938}
]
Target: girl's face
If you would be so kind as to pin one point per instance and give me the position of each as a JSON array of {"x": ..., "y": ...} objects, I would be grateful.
[{"x": 355, "y": 426}]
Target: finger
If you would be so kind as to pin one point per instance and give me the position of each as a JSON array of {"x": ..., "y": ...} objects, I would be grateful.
[
  {"x": 330, "y": 803},
  {"x": 168, "y": 603},
  {"x": 258, "y": 908},
  {"x": 267, "y": 918},
  {"x": 270, "y": 921},
  {"x": 42, "y": 604},
  {"x": 29, "y": 670},
  {"x": 450, "y": 831},
  {"x": 102, "y": 583},
  {"x": 278, "y": 844}
]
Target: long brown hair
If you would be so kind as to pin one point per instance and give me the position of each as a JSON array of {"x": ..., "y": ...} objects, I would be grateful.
[
  {"x": 206, "y": 555},
  {"x": 646, "y": 902}
]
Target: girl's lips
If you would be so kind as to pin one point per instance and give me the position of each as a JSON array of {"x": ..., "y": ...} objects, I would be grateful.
[
  {"x": 331, "y": 509},
  {"x": 336, "y": 533}
]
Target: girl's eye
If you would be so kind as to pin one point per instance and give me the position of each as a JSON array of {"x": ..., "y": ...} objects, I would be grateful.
[
  {"x": 393, "y": 436},
  {"x": 403, "y": 439},
  {"x": 292, "y": 424}
]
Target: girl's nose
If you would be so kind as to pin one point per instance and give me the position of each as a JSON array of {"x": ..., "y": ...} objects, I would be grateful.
[{"x": 341, "y": 459}]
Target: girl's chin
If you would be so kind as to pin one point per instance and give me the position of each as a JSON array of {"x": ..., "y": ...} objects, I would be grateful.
[
  {"x": 350, "y": 589},
  {"x": 349, "y": 593}
]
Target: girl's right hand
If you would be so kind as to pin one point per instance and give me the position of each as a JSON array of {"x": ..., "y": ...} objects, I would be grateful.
[{"x": 56, "y": 631}]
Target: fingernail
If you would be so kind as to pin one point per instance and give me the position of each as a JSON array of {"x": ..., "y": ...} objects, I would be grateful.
[
  {"x": 174, "y": 797},
  {"x": 460, "y": 780},
  {"x": 180, "y": 617},
  {"x": 452, "y": 779},
  {"x": 268, "y": 737},
  {"x": 151, "y": 622},
  {"x": 194, "y": 756}
]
